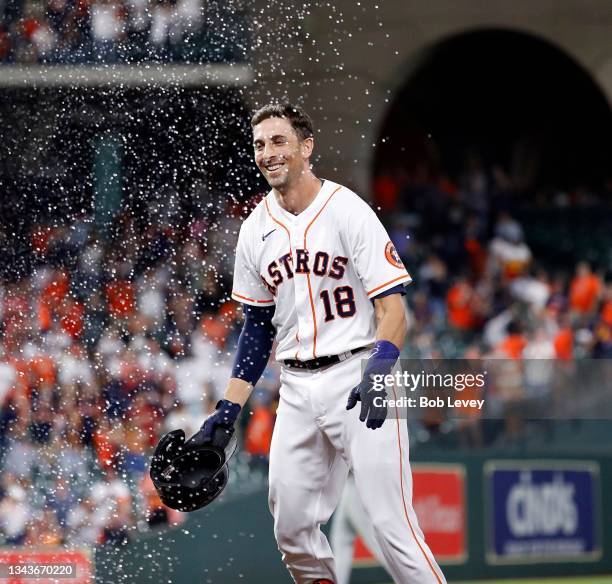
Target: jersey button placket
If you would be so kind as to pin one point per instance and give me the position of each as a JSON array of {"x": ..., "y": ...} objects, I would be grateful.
[{"x": 301, "y": 298}]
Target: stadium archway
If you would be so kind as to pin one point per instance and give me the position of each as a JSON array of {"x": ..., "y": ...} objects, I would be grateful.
[{"x": 509, "y": 98}]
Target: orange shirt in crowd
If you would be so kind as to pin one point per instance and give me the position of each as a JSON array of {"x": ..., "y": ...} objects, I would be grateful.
[
  {"x": 478, "y": 256},
  {"x": 40, "y": 239},
  {"x": 564, "y": 344},
  {"x": 71, "y": 320},
  {"x": 606, "y": 313},
  {"x": 584, "y": 291},
  {"x": 56, "y": 290},
  {"x": 386, "y": 191},
  {"x": 45, "y": 317},
  {"x": 228, "y": 312},
  {"x": 458, "y": 301},
  {"x": 258, "y": 435},
  {"x": 120, "y": 298},
  {"x": 512, "y": 345},
  {"x": 29, "y": 26},
  {"x": 105, "y": 450},
  {"x": 214, "y": 329},
  {"x": 43, "y": 369}
]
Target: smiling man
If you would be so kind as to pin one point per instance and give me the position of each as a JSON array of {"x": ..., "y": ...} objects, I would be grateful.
[{"x": 316, "y": 271}]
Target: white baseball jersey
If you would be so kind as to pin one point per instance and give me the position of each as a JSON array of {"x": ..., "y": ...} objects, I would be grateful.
[{"x": 319, "y": 269}]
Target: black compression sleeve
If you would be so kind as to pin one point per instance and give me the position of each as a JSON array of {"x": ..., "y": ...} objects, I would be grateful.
[{"x": 254, "y": 344}]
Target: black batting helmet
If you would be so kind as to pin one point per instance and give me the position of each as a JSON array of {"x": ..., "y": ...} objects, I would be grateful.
[{"x": 188, "y": 479}]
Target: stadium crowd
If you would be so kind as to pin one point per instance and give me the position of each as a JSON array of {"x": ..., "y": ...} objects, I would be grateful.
[
  {"x": 110, "y": 31},
  {"x": 481, "y": 293},
  {"x": 118, "y": 336},
  {"x": 107, "y": 344}
]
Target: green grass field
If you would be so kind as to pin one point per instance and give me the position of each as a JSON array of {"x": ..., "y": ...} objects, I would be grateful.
[{"x": 579, "y": 580}]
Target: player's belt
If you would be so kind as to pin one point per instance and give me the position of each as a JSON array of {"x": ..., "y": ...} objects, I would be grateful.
[{"x": 323, "y": 361}]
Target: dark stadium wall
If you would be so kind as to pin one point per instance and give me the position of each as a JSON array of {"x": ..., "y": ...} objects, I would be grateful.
[
  {"x": 508, "y": 98},
  {"x": 348, "y": 62}
]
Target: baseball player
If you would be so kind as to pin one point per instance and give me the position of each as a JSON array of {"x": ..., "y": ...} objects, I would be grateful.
[{"x": 316, "y": 271}]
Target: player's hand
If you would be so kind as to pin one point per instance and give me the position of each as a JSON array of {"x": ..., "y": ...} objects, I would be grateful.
[
  {"x": 219, "y": 424},
  {"x": 373, "y": 405},
  {"x": 371, "y": 394}
]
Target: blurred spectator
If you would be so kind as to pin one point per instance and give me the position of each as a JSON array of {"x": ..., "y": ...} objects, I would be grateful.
[
  {"x": 432, "y": 277},
  {"x": 61, "y": 498},
  {"x": 7, "y": 376},
  {"x": 151, "y": 290},
  {"x": 539, "y": 353},
  {"x": 508, "y": 392},
  {"x": 606, "y": 308},
  {"x": 83, "y": 523},
  {"x": 563, "y": 341},
  {"x": 463, "y": 306},
  {"x": 533, "y": 289},
  {"x": 585, "y": 290},
  {"x": 36, "y": 37},
  {"x": 21, "y": 455},
  {"x": 14, "y": 511},
  {"x": 514, "y": 343},
  {"x": 475, "y": 191},
  {"x": 112, "y": 499},
  {"x": 180, "y": 417},
  {"x": 603, "y": 327},
  {"x": 120, "y": 298},
  {"x": 258, "y": 433},
  {"x": 164, "y": 25},
  {"x": 5, "y": 43},
  {"x": 469, "y": 417},
  {"x": 105, "y": 31},
  {"x": 43, "y": 530},
  {"x": 509, "y": 254},
  {"x": 386, "y": 191}
]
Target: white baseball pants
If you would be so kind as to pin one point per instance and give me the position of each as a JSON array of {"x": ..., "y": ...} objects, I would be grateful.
[
  {"x": 315, "y": 442},
  {"x": 349, "y": 521}
]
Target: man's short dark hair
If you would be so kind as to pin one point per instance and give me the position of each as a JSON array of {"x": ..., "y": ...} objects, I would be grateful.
[{"x": 300, "y": 121}]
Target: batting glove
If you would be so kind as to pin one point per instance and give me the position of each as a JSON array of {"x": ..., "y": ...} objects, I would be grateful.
[
  {"x": 370, "y": 411},
  {"x": 219, "y": 424},
  {"x": 373, "y": 406}
]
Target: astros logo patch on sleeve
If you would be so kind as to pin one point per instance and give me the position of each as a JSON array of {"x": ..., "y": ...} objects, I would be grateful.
[{"x": 392, "y": 256}]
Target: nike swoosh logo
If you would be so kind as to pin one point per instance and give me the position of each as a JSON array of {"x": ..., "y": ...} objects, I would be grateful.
[{"x": 263, "y": 237}]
